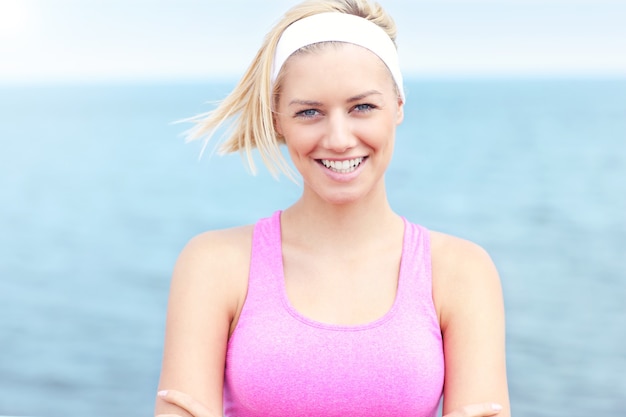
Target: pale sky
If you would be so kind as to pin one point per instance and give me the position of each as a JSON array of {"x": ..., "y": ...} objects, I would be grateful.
[{"x": 85, "y": 40}]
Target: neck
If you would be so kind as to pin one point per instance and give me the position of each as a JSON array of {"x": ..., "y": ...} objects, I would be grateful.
[{"x": 315, "y": 222}]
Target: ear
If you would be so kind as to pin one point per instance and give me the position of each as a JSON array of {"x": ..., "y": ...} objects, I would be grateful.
[{"x": 400, "y": 111}]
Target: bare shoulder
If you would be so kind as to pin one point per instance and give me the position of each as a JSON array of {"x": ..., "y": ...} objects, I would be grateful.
[
  {"x": 218, "y": 247},
  {"x": 216, "y": 262},
  {"x": 463, "y": 272},
  {"x": 455, "y": 254}
]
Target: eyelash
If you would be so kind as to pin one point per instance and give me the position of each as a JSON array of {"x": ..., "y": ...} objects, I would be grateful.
[
  {"x": 361, "y": 108},
  {"x": 368, "y": 107},
  {"x": 303, "y": 114}
]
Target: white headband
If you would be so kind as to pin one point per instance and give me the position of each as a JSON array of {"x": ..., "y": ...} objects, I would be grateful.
[{"x": 339, "y": 27}]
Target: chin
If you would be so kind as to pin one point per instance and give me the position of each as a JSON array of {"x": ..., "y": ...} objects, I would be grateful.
[
  {"x": 343, "y": 194},
  {"x": 343, "y": 198}
]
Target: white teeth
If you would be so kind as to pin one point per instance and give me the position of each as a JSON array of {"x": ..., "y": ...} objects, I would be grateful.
[{"x": 342, "y": 167}]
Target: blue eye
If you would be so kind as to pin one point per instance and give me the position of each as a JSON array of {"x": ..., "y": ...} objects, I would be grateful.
[
  {"x": 307, "y": 113},
  {"x": 365, "y": 107}
]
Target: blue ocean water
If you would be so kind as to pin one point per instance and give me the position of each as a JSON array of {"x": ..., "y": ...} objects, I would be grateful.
[{"x": 98, "y": 195}]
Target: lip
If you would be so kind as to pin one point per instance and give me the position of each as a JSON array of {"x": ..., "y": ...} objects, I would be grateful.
[
  {"x": 347, "y": 158},
  {"x": 338, "y": 176}
]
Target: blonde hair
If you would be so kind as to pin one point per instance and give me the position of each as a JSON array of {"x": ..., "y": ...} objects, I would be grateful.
[{"x": 250, "y": 105}]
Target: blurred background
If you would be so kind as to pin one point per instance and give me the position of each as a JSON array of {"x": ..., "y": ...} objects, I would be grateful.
[{"x": 514, "y": 137}]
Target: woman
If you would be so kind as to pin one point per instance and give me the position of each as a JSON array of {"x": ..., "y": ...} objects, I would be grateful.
[{"x": 337, "y": 305}]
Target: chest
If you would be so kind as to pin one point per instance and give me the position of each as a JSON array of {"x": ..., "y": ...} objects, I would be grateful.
[
  {"x": 342, "y": 287},
  {"x": 280, "y": 363}
]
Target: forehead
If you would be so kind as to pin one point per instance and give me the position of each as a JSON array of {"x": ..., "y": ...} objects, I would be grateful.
[{"x": 333, "y": 66}]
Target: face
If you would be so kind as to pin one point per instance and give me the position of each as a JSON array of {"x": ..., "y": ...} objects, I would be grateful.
[{"x": 338, "y": 110}]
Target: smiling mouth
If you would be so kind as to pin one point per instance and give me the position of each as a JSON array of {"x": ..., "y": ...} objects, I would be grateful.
[{"x": 342, "y": 167}]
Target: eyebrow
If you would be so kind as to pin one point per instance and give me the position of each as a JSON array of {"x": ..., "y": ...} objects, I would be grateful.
[
  {"x": 317, "y": 103},
  {"x": 305, "y": 103},
  {"x": 363, "y": 95}
]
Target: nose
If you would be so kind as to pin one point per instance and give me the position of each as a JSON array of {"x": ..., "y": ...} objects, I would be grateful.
[{"x": 339, "y": 136}]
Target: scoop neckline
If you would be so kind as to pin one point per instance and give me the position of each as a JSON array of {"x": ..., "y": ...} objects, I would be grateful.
[{"x": 282, "y": 287}]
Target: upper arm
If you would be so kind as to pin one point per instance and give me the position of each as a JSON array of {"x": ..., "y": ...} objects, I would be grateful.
[
  {"x": 468, "y": 297},
  {"x": 207, "y": 288}
]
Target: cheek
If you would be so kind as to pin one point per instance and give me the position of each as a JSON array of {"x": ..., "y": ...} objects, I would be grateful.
[
  {"x": 380, "y": 134},
  {"x": 298, "y": 135},
  {"x": 299, "y": 140}
]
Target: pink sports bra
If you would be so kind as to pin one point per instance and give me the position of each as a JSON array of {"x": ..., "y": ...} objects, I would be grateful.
[{"x": 280, "y": 363}]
